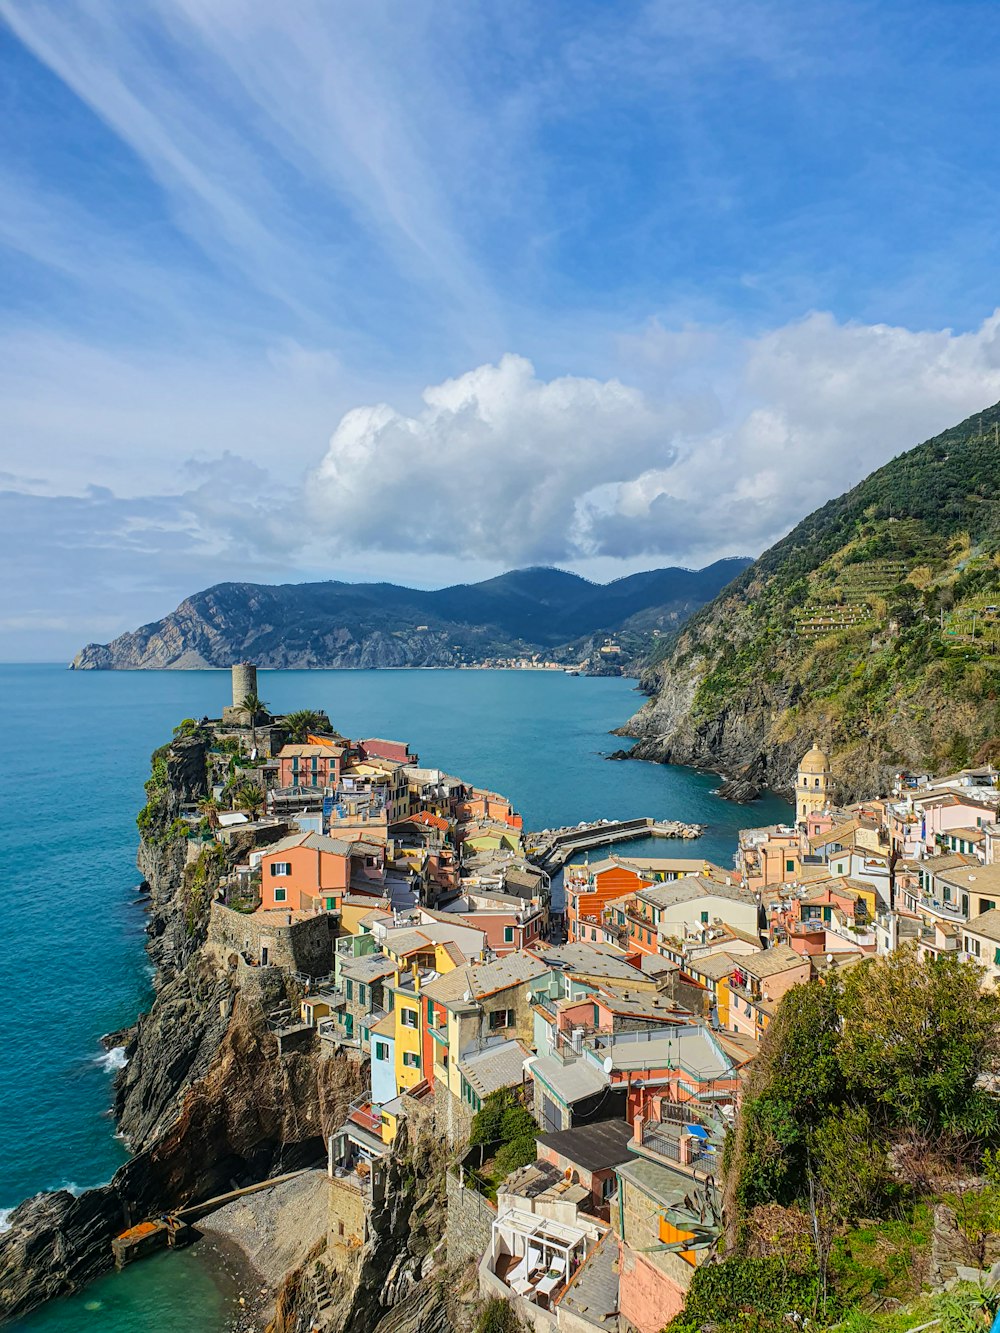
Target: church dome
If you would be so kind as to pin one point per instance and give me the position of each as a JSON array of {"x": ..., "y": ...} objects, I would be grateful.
[{"x": 815, "y": 761}]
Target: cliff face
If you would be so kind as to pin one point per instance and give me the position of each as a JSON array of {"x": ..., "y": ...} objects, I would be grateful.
[
  {"x": 545, "y": 611},
  {"x": 872, "y": 627},
  {"x": 205, "y": 1099}
]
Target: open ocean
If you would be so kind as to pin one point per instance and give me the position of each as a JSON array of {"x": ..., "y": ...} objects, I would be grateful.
[{"x": 73, "y": 964}]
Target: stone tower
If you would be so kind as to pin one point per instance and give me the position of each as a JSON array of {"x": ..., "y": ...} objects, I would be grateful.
[
  {"x": 244, "y": 682},
  {"x": 812, "y": 786}
]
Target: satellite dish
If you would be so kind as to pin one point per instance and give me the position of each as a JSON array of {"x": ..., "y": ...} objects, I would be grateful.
[{"x": 609, "y": 1064}]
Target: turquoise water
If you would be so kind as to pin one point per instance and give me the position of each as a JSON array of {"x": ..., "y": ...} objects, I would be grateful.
[{"x": 73, "y": 965}]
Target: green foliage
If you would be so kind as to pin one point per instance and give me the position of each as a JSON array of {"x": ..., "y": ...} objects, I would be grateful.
[
  {"x": 202, "y": 880},
  {"x": 300, "y": 723},
  {"x": 966, "y": 1309},
  {"x": 751, "y": 1294},
  {"x": 497, "y": 1316},
  {"x": 933, "y": 509},
  {"x": 916, "y": 1037},
  {"x": 188, "y": 726},
  {"x": 515, "y": 1154},
  {"x": 489, "y": 1124},
  {"x": 844, "y": 1069}
]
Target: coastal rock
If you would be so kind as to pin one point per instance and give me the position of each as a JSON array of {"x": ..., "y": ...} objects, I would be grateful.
[{"x": 56, "y": 1243}]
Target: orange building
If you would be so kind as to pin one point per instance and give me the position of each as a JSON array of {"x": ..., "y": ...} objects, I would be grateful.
[
  {"x": 589, "y": 889},
  {"x": 305, "y": 872}
]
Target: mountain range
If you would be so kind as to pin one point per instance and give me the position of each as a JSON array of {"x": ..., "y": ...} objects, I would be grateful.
[
  {"x": 549, "y": 612},
  {"x": 873, "y": 627}
]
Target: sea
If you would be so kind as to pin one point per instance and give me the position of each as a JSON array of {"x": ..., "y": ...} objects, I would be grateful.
[{"x": 72, "y": 962}]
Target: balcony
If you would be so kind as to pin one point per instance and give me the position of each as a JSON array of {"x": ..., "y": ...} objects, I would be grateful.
[{"x": 695, "y": 1153}]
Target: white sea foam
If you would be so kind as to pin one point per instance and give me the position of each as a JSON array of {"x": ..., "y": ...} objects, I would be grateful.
[
  {"x": 113, "y": 1060},
  {"x": 5, "y": 1219}
]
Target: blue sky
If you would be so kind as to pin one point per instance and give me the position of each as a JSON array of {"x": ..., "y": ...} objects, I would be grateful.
[{"x": 422, "y": 291}]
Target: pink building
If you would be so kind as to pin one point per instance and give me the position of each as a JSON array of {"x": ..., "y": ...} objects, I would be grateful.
[
  {"x": 310, "y": 765},
  {"x": 375, "y": 747}
]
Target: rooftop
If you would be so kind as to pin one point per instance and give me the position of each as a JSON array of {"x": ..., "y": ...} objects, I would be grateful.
[
  {"x": 987, "y": 925},
  {"x": 593, "y": 1293},
  {"x": 495, "y": 1067},
  {"x": 572, "y": 1082},
  {"x": 594, "y": 1147},
  {"x": 771, "y": 961},
  {"x": 591, "y": 959},
  {"x": 482, "y": 979}
]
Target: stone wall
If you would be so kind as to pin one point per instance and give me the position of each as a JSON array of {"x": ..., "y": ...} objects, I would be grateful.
[
  {"x": 452, "y": 1116},
  {"x": 347, "y": 1219},
  {"x": 470, "y": 1222},
  {"x": 298, "y": 946},
  {"x": 532, "y": 1316}
]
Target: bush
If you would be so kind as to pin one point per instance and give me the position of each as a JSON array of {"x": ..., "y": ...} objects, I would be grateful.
[
  {"x": 497, "y": 1316},
  {"x": 515, "y": 1154}
]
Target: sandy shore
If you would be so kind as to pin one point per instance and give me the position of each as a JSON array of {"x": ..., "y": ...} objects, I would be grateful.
[{"x": 261, "y": 1236}]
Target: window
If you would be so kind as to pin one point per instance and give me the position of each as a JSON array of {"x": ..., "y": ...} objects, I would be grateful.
[
  {"x": 350, "y": 989},
  {"x": 508, "y": 934},
  {"x": 280, "y": 869},
  {"x": 280, "y": 895},
  {"x": 501, "y": 1018},
  {"x": 704, "y": 918},
  {"x": 996, "y": 957},
  {"x": 789, "y": 867},
  {"x": 362, "y": 993},
  {"x": 621, "y": 918},
  {"x": 331, "y": 904},
  {"x": 408, "y": 1017},
  {"x": 411, "y": 1060},
  {"x": 381, "y": 1050},
  {"x": 986, "y": 905}
]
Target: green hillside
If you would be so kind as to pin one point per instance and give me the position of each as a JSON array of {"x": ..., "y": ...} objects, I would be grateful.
[{"x": 874, "y": 625}]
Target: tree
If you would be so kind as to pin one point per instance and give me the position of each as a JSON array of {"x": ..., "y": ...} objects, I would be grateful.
[
  {"x": 249, "y": 798},
  {"x": 300, "y": 723},
  {"x": 252, "y": 705},
  {"x": 917, "y": 1035},
  {"x": 209, "y": 807}
]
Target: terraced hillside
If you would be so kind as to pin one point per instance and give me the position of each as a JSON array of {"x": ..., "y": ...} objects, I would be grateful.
[{"x": 873, "y": 626}]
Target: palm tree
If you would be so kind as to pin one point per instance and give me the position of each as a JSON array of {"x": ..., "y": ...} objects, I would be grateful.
[
  {"x": 252, "y": 705},
  {"x": 301, "y": 723},
  {"x": 249, "y": 798},
  {"x": 209, "y": 807}
]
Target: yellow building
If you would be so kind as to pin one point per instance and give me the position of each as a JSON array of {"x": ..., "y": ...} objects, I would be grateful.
[
  {"x": 812, "y": 785},
  {"x": 406, "y": 997}
]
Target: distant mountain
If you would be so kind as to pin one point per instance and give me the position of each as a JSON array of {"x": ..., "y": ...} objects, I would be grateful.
[
  {"x": 558, "y": 615},
  {"x": 874, "y": 627}
]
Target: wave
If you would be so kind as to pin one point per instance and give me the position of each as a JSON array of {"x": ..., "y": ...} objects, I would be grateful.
[
  {"x": 113, "y": 1060},
  {"x": 5, "y": 1219}
]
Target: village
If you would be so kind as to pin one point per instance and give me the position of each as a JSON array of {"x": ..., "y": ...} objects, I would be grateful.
[{"x": 582, "y": 1064}]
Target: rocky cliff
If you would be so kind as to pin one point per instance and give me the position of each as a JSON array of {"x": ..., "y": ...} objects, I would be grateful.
[
  {"x": 874, "y": 627},
  {"x": 206, "y": 1098},
  {"x": 555, "y": 614}
]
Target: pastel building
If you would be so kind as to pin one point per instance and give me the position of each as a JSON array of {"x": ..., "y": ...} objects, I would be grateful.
[
  {"x": 314, "y": 765},
  {"x": 812, "y": 784},
  {"x": 305, "y": 872}
]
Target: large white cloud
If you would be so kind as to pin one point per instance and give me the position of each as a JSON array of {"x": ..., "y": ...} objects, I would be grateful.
[
  {"x": 499, "y": 464},
  {"x": 495, "y": 463}
]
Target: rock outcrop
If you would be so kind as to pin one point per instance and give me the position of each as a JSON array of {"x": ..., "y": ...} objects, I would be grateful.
[
  {"x": 206, "y": 1098},
  {"x": 872, "y": 628}
]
